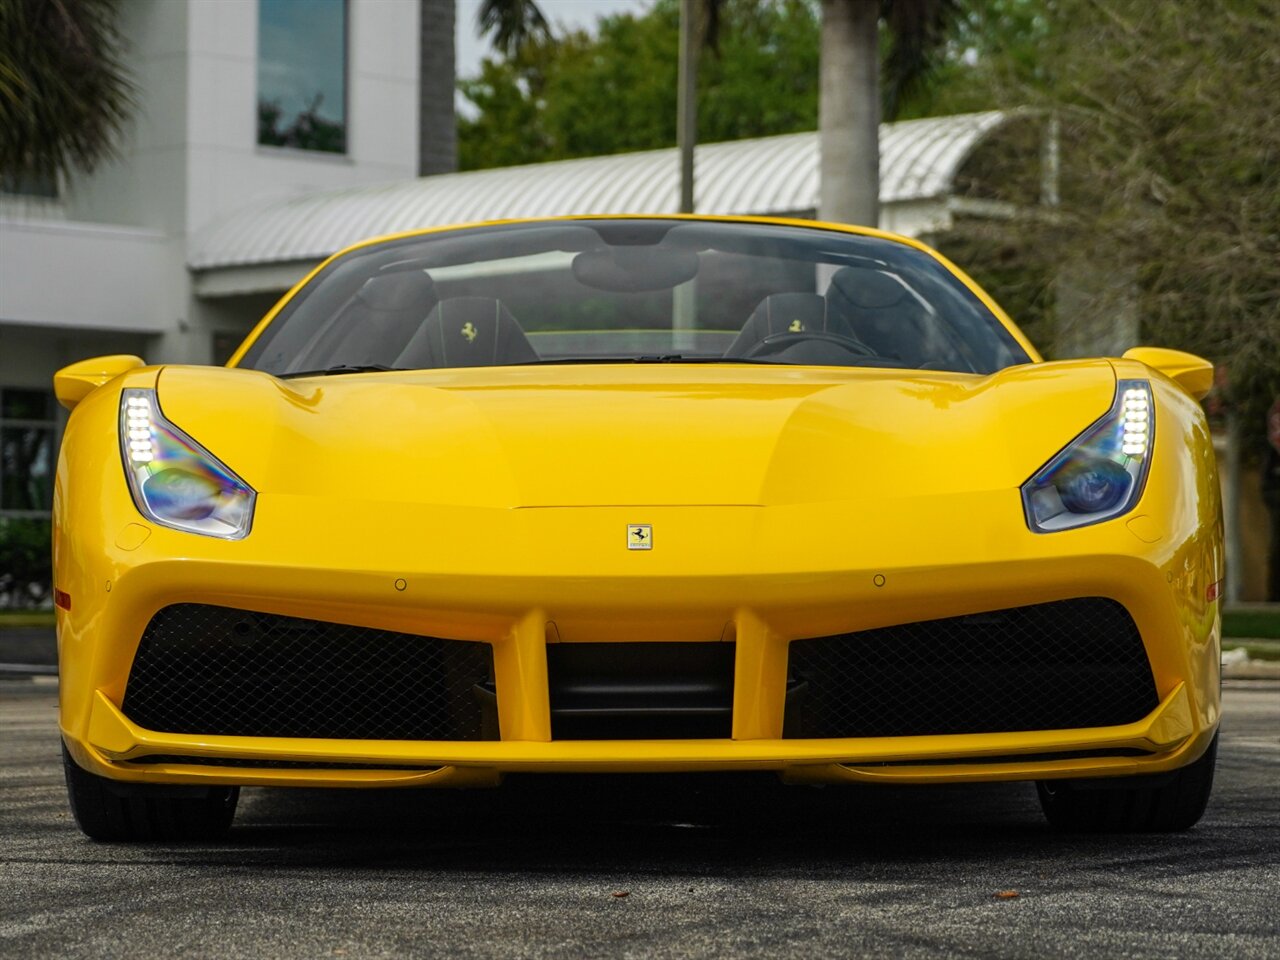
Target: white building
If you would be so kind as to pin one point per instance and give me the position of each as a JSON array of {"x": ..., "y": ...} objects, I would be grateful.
[{"x": 101, "y": 267}]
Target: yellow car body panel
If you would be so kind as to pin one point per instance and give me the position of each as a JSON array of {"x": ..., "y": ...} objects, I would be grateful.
[{"x": 492, "y": 504}]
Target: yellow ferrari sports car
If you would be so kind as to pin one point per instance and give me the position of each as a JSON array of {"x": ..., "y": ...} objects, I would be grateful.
[{"x": 637, "y": 494}]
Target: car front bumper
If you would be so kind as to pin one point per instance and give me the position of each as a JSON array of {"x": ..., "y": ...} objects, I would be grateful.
[
  {"x": 522, "y": 579},
  {"x": 1161, "y": 741}
]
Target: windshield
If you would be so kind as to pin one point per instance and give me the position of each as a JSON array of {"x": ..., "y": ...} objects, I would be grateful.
[{"x": 633, "y": 291}]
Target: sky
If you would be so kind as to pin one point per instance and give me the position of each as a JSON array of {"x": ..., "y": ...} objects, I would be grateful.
[
  {"x": 300, "y": 56},
  {"x": 573, "y": 14}
]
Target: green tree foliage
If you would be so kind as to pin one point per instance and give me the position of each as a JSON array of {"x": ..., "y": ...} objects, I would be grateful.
[
  {"x": 26, "y": 578},
  {"x": 1170, "y": 180},
  {"x": 579, "y": 95},
  {"x": 913, "y": 47},
  {"x": 64, "y": 92},
  {"x": 990, "y": 47},
  {"x": 551, "y": 98}
]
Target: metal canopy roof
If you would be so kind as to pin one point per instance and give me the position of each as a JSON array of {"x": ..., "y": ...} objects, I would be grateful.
[{"x": 770, "y": 175}]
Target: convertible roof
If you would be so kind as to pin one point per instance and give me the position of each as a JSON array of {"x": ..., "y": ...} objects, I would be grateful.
[{"x": 770, "y": 175}]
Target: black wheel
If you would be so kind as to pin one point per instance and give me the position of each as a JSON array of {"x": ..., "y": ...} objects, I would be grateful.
[
  {"x": 109, "y": 810},
  {"x": 1163, "y": 803}
]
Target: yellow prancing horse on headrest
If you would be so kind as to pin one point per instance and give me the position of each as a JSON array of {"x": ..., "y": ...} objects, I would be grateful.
[
  {"x": 469, "y": 331},
  {"x": 796, "y": 326}
]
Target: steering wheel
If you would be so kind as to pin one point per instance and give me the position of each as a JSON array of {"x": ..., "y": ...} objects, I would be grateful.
[{"x": 775, "y": 343}]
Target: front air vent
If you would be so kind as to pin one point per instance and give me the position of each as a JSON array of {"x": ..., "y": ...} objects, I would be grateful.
[
  {"x": 640, "y": 691},
  {"x": 216, "y": 670},
  {"x": 1049, "y": 666}
]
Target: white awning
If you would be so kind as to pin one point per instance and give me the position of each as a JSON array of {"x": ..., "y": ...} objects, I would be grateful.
[{"x": 771, "y": 175}]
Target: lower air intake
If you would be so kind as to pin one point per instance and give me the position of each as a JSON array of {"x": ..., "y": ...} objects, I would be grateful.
[
  {"x": 1061, "y": 665},
  {"x": 216, "y": 670},
  {"x": 640, "y": 691}
]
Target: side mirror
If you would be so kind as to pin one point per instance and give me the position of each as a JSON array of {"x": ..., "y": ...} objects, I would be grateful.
[
  {"x": 1194, "y": 374},
  {"x": 72, "y": 384}
]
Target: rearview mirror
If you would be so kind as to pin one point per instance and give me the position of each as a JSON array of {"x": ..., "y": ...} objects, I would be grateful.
[
  {"x": 72, "y": 384},
  {"x": 1194, "y": 374},
  {"x": 635, "y": 269}
]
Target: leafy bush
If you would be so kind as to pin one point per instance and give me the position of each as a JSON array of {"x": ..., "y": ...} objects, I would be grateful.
[{"x": 26, "y": 568}]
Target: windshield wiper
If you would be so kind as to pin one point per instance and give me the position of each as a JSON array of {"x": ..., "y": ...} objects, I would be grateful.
[
  {"x": 644, "y": 358},
  {"x": 681, "y": 358},
  {"x": 341, "y": 368}
]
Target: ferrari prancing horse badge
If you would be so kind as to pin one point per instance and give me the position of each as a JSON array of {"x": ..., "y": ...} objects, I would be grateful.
[{"x": 639, "y": 536}]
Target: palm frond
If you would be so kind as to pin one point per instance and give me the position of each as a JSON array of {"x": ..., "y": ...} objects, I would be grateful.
[
  {"x": 511, "y": 23},
  {"x": 65, "y": 93},
  {"x": 917, "y": 36}
]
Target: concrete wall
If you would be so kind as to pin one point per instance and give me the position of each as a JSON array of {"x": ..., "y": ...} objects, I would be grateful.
[
  {"x": 1254, "y": 527},
  {"x": 145, "y": 185},
  {"x": 30, "y": 355},
  {"x": 105, "y": 278},
  {"x": 226, "y": 169},
  {"x": 191, "y": 153},
  {"x": 111, "y": 253}
]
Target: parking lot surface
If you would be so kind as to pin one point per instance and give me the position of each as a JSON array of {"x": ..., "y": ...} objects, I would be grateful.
[{"x": 652, "y": 866}]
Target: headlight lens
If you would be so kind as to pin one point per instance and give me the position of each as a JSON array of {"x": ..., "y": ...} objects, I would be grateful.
[
  {"x": 1101, "y": 473},
  {"x": 175, "y": 481}
]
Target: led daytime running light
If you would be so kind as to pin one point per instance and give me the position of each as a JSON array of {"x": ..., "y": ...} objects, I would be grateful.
[
  {"x": 175, "y": 482},
  {"x": 1136, "y": 419},
  {"x": 1099, "y": 475}
]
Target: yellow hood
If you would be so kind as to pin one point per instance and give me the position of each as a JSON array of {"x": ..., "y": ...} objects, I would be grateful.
[{"x": 634, "y": 434}]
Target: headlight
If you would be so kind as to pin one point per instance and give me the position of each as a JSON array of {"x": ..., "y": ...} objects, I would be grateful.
[
  {"x": 175, "y": 481},
  {"x": 1101, "y": 473}
]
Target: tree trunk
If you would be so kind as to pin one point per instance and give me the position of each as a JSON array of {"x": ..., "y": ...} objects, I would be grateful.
[
  {"x": 849, "y": 112},
  {"x": 437, "y": 124},
  {"x": 687, "y": 97},
  {"x": 1233, "y": 534}
]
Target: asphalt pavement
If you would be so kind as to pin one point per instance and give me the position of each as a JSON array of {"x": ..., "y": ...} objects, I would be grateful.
[
  {"x": 28, "y": 646},
  {"x": 652, "y": 866}
]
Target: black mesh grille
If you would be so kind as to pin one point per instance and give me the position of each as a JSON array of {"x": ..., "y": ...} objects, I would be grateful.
[
  {"x": 1060, "y": 665},
  {"x": 216, "y": 670}
]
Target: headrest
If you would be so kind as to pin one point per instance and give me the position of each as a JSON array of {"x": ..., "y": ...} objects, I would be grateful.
[
  {"x": 865, "y": 288},
  {"x": 398, "y": 291},
  {"x": 468, "y": 332},
  {"x": 794, "y": 312},
  {"x": 786, "y": 313}
]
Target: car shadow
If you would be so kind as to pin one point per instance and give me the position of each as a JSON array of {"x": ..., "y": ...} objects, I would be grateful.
[{"x": 654, "y": 824}]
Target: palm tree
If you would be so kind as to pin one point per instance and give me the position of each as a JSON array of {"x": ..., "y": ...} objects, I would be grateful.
[
  {"x": 64, "y": 92},
  {"x": 850, "y": 98},
  {"x": 437, "y": 122},
  {"x": 850, "y": 101},
  {"x": 849, "y": 112},
  {"x": 510, "y": 22}
]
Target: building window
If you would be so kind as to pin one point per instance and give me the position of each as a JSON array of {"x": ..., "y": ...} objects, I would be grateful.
[
  {"x": 42, "y": 186},
  {"x": 28, "y": 428},
  {"x": 302, "y": 74},
  {"x": 224, "y": 345}
]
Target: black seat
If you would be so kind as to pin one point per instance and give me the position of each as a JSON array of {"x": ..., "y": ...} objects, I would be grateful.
[
  {"x": 467, "y": 332},
  {"x": 376, "y": 323},
  {"x": 788, "y": 313},
  {"x": 882, "y": 314}
]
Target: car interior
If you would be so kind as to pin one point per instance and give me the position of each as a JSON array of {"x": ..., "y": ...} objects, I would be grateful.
[
  {"x": 866, "y": 317},
  {"x": 634, "y": 291}
]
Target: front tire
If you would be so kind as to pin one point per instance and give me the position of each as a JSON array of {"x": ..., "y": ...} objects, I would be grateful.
[
  {"x": 1168, "y": 804},
  {"x": 110, "y": 811}
]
